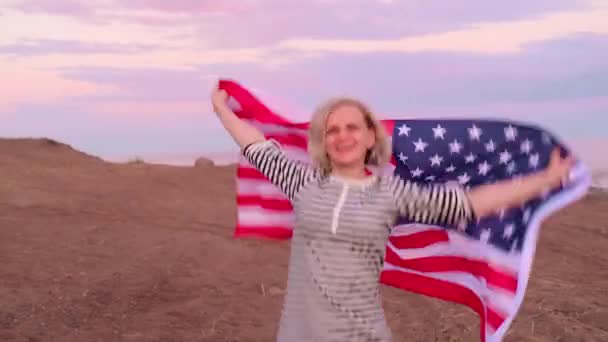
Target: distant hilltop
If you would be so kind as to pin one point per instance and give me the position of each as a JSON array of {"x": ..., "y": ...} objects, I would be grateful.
[
  {"x": 599, "y": 176},
  {"x": 599, "y": 179}
]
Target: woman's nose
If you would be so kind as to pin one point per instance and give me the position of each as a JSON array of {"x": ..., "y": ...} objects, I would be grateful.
[{"x": 343, "y": 134}]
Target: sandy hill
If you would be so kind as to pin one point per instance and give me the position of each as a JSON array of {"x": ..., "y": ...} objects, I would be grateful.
[
  {"x": 99, "y": 251},
  {"x": 600, "y": 179}
]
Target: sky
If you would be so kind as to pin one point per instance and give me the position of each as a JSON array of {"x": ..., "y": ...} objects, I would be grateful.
[{"x": 131, "y": 78}]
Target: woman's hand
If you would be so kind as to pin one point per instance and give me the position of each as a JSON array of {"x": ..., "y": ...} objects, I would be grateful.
[
  {"x": 489, "y": 198},
  {"x": 242, "y": 132},
  {"x": 219, "y": 99},
  {"x": 558, "y": 170}
]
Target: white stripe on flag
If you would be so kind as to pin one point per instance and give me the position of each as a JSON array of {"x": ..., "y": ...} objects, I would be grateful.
[
  {"x": 254, "y": 216},
  {"x": 259, "y": 187},
  {"x": 458, "y": 244},
  {"x": 500, "y": 300},
  {"x": 274, "y": 129},
  {"x": 476, "y": 251}
]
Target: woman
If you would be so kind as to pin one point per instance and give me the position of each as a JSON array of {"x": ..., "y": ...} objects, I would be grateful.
[{"x": 343, "y": 216}]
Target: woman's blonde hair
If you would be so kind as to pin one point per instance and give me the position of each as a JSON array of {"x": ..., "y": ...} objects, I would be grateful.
[{"x": 378, "y": 155}]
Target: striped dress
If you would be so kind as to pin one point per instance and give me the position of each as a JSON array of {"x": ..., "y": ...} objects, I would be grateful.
[{"x": 339, "y": 238}]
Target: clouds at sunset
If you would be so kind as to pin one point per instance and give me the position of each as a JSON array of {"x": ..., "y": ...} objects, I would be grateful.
[
  {"x": 38, "y": 47},
  {"x": 150, "y": 64},
  {"x": 59, "y": 7}
]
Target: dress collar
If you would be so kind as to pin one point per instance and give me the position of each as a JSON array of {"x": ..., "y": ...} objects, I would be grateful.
[{"x": 363, "y": 182}]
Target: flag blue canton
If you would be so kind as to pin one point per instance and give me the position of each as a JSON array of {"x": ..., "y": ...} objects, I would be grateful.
[{"x": 471, "y": 153}]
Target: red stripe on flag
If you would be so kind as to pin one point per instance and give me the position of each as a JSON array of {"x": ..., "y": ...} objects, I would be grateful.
[
  {"x": 250, "y": 173},
  {"x": 252, "y": 108},
  {"x": 290, "y": 139},
  {"x": 389, "y": 125},
  {"x": 269, "y": 232},
  {"x": 456, "y": 264},
  {"x": 445, "y": 290},
  {"x": 420, "y": 239},
  {"x": 266, "y": 203},
  {"x": 495, "y": 320}
]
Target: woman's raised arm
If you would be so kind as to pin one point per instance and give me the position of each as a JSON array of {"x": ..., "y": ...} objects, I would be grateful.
[
  {"x": 243, "y": 133},
  {"x": 265, "y": 155}
]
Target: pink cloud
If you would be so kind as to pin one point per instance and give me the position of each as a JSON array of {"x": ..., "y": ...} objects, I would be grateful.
[
  {"x": 62, "y": 7},
  {"x": 251, "y": 23},
  {"x": 80, "y": 9},
  {"x": 363, "y": 19},
  {"x": 31, "y": 87},
  {"x": 187, "y": 6},
  {"x": 157, "y": 85},
  {"x": 31, "y": 47},
  {"x": 152, "y": 19},
  {"x": 532, "y": 109},
  {"x": 148, "y": 110}
]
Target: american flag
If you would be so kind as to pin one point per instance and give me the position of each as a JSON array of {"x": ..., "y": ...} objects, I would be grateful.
[{"x": 485, "y": 265}]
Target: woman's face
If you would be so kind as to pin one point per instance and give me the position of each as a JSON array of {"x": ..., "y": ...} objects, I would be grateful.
[{"x": 347, "y": 137}]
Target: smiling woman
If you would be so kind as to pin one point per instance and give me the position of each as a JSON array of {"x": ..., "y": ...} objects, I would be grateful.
[
  {"x": 343, "y": 215},
  {"x": 341, "y": 139}
]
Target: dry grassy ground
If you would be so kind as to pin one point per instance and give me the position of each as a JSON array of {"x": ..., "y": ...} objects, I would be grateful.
[{"x": 95, "y": 251}]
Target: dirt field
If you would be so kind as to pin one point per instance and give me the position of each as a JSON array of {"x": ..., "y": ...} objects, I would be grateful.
[{"x": 94, "y": 251}]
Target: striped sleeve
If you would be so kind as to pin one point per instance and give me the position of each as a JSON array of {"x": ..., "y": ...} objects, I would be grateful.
[
  {"x": 438, "y": 204},
  {"x": 287, "y": 174}
]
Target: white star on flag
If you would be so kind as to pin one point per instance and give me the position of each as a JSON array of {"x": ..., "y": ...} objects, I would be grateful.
[
  {"x": 508, "y": 230},
  {"x": 534, "y": 160},
  {"x": 417, "y": 173},
  {"x": 420, "y": 145},
  {"x": 511, "y": 167},
  {"x": 470, "y": 158},
  {"x": 526, "y": 146},
  {"x": 436, "y": 160},
  {"x": 455, "y": 147},
  {"x": 484, "y": 168},
  {"x": 439, "y": 131},
  {"x": 404, "y": 130},
  {"x": 475, "y": 132},
  {"x": 464, "y": 178},
  {"x": 490, "y": 146},
  {"x": 505, "y": 157},
  {"x": 402, "y": 157},
  {"x": 510, "y": 133}
]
